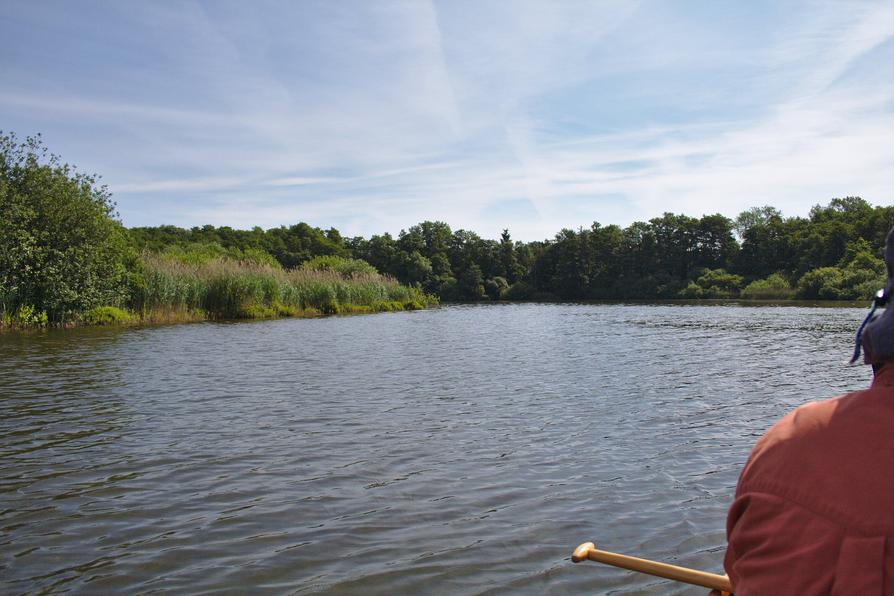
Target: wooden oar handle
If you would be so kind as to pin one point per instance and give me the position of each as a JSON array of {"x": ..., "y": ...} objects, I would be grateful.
[{"x": 588, "y": 551}]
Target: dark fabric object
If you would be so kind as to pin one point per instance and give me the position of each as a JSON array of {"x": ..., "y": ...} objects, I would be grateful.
[
  {"x": 878, "y": 336},
  {"x": 889, "y": 256}
]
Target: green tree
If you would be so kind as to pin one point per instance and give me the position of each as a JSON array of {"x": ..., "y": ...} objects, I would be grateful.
[
  {"x": 766, "y": 242},
  {"x": 378, "y": 251},
  {"x": 346, "y": 267},
  {"x": 755, "y": 217},
  {"x": 413, "y": 268},
  {"x": 714, "y": 244},
  {"x": 858, "y": 275},
  {"x": 441, "y": 282},
  {"x": 301, "y": 242},
  {"x": 61, "y": 248},
  {"x": 470, "y": 284},
  {"x": 607, "y": 245},
  {"x": 675, "y": 244},
  {"x": 508, "y": 260},
  {"x": 496, "y": 287}
]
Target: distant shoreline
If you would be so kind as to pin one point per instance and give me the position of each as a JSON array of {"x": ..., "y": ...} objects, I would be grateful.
[{"x": 175, "y": 318}]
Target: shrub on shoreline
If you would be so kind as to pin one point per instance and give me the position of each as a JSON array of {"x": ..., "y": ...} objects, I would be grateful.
[
  {"x": 25, "y": 316},
  {"x": 713, "y": 283},
  {"x": 225, "y": 289},
  {"x": 106, "y": 315},
  {"x": 774, "y": 287},
  {"x": 61, "y": 250},
  {"x": 166, "y": 288},
  {"x": 857, "y": 276}
]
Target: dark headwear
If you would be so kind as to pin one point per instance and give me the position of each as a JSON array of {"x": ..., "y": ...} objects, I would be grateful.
[
  {"x": 878, "y": 335},
  {"x": 889, "y": 260}
]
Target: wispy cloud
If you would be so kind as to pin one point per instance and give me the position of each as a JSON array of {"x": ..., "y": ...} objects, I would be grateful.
[
  {"x": 298, "y": 181},
  {"x": 530, "y": 115},
  {"x": 185, "y": 184}
]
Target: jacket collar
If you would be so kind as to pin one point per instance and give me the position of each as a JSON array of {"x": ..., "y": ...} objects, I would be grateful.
[{"x": 885, "y": 375}]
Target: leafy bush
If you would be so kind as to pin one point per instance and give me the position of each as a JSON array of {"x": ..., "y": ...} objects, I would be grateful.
[
  {"x": 774, "y": 287},
  {"x": 258, "y": 311},
  {"x": 195, "y": 253},
  {"x": 822, "y": 282},
  {"x": 518, "y": 291},
  {"x": 713, "y": 283},
  {"x": 496, "y": 287},
  {"x": 61, "y": 250},
  {"x": 198, "y": 253},
  {"x": 389, "y": 306},
  {"x": 858, "y": 276},
  {"x": 106, "y": 315},
  {"x": 665, "y": 286},
  {"x": 24, "y": 316},
  {"x": 693, "y": 290},
  {"x": 346, "y": 267}
]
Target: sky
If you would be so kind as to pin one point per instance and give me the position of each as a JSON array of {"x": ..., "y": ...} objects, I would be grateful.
[{"x": 371, "y": 117}]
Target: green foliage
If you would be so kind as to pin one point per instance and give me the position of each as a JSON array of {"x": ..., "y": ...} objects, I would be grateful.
[
  {"x": 397, "y": 305},
  {"x": 63, "y": 255},
  {"x": 389, "y": 306},
  {"x": 296, "y": 244},
  {"x": 106, "y": 315},
  {"x": 655, "y": 259},
  {"x": 666, "y": 257},
  {"x": 413, "y": 268},
  {"x": 24, "y": 316},
  {"x": 858, "y": 276},
  {"x": 225, "y": 289},
  {"x": 197, "y": 253},
  {"x": 518, "y": 291},
  {"x": 496, "y": 287},
  {"x": 822, "y": 282},
  {"x": 714, "y": 283},
  {"x": 773, "y": 287},
  {"x": 470, "y": 284},
  {"x": 259, "y": 311},
  {"x": 61, "y": 249},
  {"x": 342, "y": 265},
  {"x": 286, "y": 310}
]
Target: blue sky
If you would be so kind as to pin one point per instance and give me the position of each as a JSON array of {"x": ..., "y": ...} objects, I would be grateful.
[{"x": 533, "y": 116}]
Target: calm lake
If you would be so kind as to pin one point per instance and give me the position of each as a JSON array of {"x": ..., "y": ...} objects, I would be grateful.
[{"x": 462, "y": 450}]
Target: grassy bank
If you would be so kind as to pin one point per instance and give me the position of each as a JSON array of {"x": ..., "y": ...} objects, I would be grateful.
[{"x": 163, "y": 289}]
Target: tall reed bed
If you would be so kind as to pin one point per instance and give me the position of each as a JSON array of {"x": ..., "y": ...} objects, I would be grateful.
[{"x": 224, "y": 289}]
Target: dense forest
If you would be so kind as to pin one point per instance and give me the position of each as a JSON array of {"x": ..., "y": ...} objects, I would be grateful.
[
  {"x": 833, "y": 254},
  {"x": 65, "y": 257}
]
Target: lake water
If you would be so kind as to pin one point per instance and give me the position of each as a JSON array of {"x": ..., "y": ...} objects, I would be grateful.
[{"x": 462, "y": 450}]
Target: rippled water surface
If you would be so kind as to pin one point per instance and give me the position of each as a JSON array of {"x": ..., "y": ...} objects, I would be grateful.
[{"x": 460, "y": 450}]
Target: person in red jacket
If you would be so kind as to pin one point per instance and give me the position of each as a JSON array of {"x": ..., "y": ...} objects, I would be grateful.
[{"x": 814, "y": 506}]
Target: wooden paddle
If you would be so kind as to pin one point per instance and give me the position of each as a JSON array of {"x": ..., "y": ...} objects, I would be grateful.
[{"x": 714, "y": 581}]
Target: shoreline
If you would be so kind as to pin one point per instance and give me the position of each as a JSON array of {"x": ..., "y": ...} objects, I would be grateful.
[{"x": 157, "y": 318}]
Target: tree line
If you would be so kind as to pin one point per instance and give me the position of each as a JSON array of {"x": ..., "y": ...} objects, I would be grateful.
[
  {"x": 63, "y": 252},
  {"x": 66, "y": 259},
  {"x": 834, "y": 253}
]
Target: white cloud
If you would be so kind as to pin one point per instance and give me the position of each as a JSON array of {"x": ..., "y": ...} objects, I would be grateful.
[
  {"x": 185, "y": 184},
  {"x": 377, "y": 116},
  {"x": 298, "y": 181}
]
